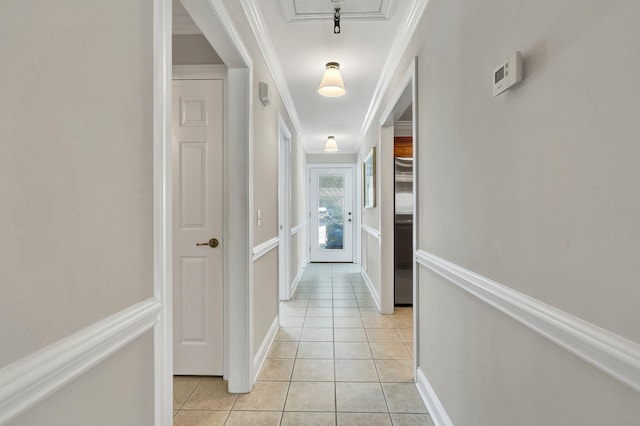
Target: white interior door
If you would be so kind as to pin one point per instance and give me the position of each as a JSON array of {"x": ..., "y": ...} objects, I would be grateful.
[
  {"x": 197, "y": 219},
  {"x": 332, "y": 215}
]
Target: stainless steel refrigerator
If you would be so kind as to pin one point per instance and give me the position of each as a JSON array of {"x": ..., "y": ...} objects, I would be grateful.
[{"x": 403, "y": 236}]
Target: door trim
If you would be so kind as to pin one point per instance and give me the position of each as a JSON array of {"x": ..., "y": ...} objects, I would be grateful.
[
  {"x": 355, "y": 208},
  {"x": 284, "y": 209}
]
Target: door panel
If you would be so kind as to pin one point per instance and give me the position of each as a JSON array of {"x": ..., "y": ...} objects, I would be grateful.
[
  {"x": 197, "y": 217},
  {"x": 332, "y": 215}
]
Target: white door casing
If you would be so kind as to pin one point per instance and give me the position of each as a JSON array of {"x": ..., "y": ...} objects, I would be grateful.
[
  {"x": 325, "y": 221},
  {"x": 284, "y": 209},
  {"x": 197, "y": 153}
]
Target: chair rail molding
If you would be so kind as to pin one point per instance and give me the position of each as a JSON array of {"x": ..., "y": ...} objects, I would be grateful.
[
  {"x": 264, "y": 248},
  {"x": 371, "y": 231},
  {"x": 613, "y": 354},
  {"x": 33, "y": 378},
  {"x": 298, "y": 228}
]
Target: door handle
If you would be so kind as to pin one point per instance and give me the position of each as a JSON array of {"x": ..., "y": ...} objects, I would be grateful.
[{"x": 213, "y": 243}]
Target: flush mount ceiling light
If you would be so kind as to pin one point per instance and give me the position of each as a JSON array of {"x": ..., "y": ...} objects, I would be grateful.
[
  {"x": 332, "y": 85},
  {"x": 331, "y": 146}
]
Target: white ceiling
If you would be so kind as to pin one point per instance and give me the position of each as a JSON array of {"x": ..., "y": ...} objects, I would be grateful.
[{"x": 301, "y": 41}]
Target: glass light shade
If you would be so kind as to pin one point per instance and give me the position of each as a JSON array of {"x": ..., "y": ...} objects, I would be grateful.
[
  {"x": 331, "y": 145},
  {"x": 332, "y": 85}
]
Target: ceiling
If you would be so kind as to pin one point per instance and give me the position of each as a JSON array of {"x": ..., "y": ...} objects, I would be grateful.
[{"x": 297, "y": 40}]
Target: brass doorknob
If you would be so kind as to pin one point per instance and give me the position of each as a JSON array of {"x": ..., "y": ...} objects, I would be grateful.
[{"x": 213, "y": 243}]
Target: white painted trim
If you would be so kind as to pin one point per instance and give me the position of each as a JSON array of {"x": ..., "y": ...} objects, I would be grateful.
[
  {"x": 371, "y": 287},
  {"x": 296, "y": 280},
  {"x": 31, "y": 379},
  {"x": 298, "y": 228},
  {"x": 403, "y": 125},
  {"x": 284, "y": 209},
  {"x": 613, "y": 354},
  {"x": 371, "y": 231},
  {"x": 162, "y": 219},
  {"x": 265, "y": 247},
  {"x": 290, "y": 14},
  {"x": 199, "y": 72},
  {"x": 434, "y": 407},
  {"x": 265, "y": 43},
  {"x": 263, "y": 350},
  {"x": 396, "y": 52}
]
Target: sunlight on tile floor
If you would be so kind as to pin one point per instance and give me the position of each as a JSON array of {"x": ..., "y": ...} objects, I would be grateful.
[{"x": 334, "y": 361}]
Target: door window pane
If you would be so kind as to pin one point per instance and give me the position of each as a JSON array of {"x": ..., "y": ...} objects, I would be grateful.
[{"x": 330, "y": 212}]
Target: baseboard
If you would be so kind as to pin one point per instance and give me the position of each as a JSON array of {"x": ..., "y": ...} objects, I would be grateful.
[
  {"x": 372, "y": 289},
  {"x": 263, "y": 350},
  {"x": 435, "y": 408},
  {"x": 296, "y": 280}
]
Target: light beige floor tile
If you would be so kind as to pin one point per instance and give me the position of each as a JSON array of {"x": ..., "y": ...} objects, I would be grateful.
[
  {"x": 308, "y": 419},
  {"x": 403, "y": 398},
  {"x": 293, "y": 312},
  {"x": 352, "y": 350},
  {"x": 364, "y": 419},
  {"x": 174, "y": 413},
  {"x": 254, "y": 418},
  {"x": 276, "y": 369},
  {"x": 301, "y": 296},
  {"x": 409, "y": 348},
  {"x": 283, "y": 350},
  {"x": 319, "y": 312},
  {"x": 347, "y": 322},
  {"x": 317, "y": 350},
  {"x": 389, "y": 351},
  {"x": 402, "y": 321},
  {"x": 321, "y": 303},
  {"x": 356, "y": 370},
  {"x": 366, "y": 303},
  {"x": 383, "y": 335},
  {"x": 265, "y": 396},
  {"x": 349, "y": 335},
  {"x": 311, "y": 396},
  {"x": 200, "y": 418},
  {"x": 345, "y": 304},
  {"x": 371, "y": 321},
  {"x": 369, "y": 311},
  {"x": 360, "y": 398},
  {"x": 412, "y": 420},
  {"x": 291, "y": 322},
  {"x": 347, "y": 296},
  {"x": 406, "y": 334},
  {"x": 395, "y": 370},
  {"x": 316, "y": 335},
  {"x": 183, "y": 387},
  {"x": 321, "y": 296},
  {"x": 313, "y": 370},
  {"x": 343, "y": 290},
  {"x": 211, "y": 394},
  {"x": 318, "y": 322},
  {"x": 288, "y": 334},
  {"x": 346, "y": 312},
  {"x": 294, "y": 304}
]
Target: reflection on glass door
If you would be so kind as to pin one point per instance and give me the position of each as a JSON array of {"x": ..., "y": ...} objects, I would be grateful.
[{"x": 331, "y": 214}]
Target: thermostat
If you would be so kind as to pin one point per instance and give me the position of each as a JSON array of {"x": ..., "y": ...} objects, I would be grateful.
[{"x": 508, "y": 74}]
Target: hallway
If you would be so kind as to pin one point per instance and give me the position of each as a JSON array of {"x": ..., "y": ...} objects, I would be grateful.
[{"x": 335, "y": 360}]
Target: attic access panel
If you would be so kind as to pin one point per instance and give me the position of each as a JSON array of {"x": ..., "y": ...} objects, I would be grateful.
[{"x": 315, "y": 10}]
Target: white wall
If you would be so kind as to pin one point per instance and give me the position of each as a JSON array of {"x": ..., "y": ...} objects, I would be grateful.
[
  {"x": 76, "y": 185},
  {"x": 533, "y": 189}
]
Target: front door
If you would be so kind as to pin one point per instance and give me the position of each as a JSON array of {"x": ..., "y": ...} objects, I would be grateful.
[
  {"x": 332, "y": 215},
  {"x": 197, "y": 221}
]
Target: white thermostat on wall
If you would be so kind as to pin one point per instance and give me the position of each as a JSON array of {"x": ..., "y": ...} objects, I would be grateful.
[{"x": 508, "y": 74}]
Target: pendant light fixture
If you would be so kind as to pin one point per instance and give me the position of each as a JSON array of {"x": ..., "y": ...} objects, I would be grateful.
[
  {"x": 331, "y": 145},
  {"x": 332, "y": 85}
]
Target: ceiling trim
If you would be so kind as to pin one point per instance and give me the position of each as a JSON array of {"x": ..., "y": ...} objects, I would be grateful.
[
  {"x": 398, "y": 48},
  {"x": 290, "y": 14},
  {"x": 184, "y": 25},
  {"x": 265, "y": 43}
]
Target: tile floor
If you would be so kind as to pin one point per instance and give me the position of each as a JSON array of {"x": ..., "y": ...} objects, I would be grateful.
[{"x": 334, "y": 361}]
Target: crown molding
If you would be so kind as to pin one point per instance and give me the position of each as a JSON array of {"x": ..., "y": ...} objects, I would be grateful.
[
  {"x": 392, "y": 62},
  {"x": 290, "y": 14},
  {"x": 265, "y": 43}
]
